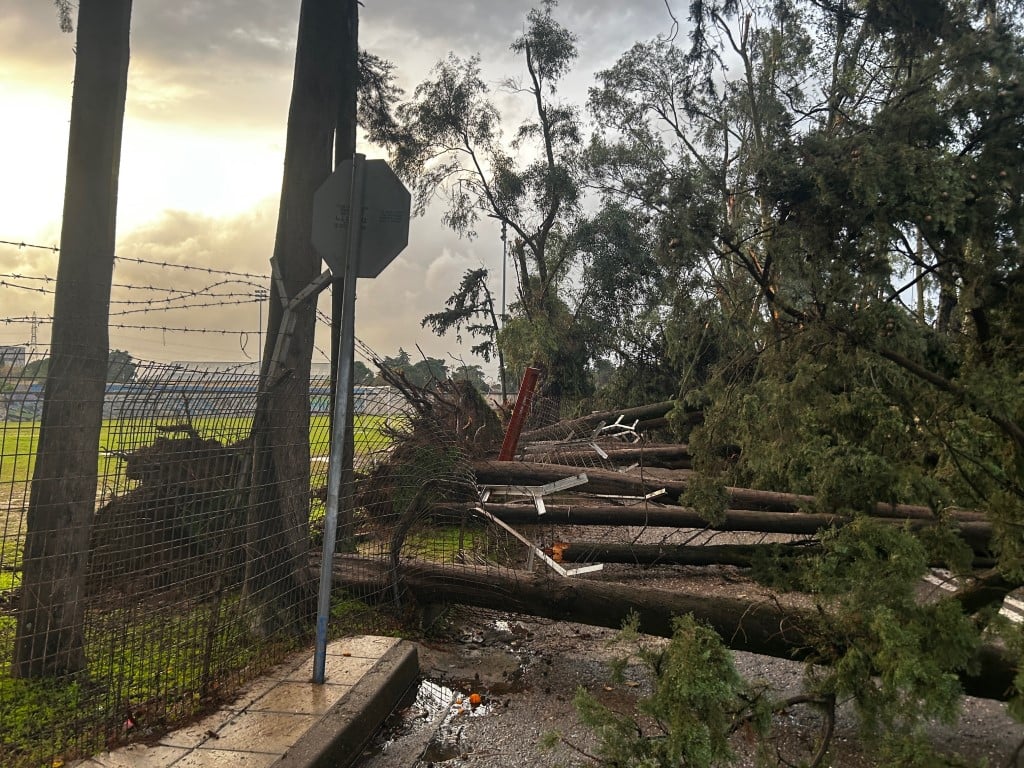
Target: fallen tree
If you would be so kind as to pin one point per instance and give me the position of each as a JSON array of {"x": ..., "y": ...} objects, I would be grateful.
[
  {"x": 662, "y": 456},
  {"x": 739, "y": 555},
  {"x": 759, "y": 626},
  {"x": 604, "y": 481},
  {"x": 647, "y": 417},
  {"x": 976, "y": 534}
]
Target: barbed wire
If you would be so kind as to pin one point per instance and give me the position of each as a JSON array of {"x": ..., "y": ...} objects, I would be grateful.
[
  {"x": 199, "y": 305},
  {"x": 178, "y": 294},
  {"x": 48, "y": 319},
  {"x": 53, "y": 248},
  {"x": 140, "y": 286},
  {"x": 149, "y": 262},
  {"x": 46, "y": 285},
  {"x": 189, "y": 267}
]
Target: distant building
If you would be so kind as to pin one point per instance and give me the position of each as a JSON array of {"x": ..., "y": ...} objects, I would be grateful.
[{"x": 12, "y": 357}]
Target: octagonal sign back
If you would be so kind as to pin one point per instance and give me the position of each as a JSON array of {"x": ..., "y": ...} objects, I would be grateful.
[{"x": 385, "y": 217}]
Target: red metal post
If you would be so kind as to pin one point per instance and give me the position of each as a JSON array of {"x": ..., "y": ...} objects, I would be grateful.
[{"x": 519, "y": 413}]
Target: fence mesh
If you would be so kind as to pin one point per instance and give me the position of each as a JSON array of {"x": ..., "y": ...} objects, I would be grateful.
[
  {"x": 183, "y": 575},
  {"x": 189, "y": 565}
]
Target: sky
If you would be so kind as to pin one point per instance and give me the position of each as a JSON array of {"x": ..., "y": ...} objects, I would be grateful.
[{"x": 203, "y": 148}]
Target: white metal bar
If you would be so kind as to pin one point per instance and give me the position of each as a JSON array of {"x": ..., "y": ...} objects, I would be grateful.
[{"x": 535, "y": 550}]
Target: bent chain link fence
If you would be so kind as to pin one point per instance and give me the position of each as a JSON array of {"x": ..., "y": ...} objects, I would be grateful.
[
  {"x": 193, "y": 581},
  {"x": 182, "y": 563}
]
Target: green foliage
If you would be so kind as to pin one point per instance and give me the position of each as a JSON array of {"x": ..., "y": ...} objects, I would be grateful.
[
  {"x": 804, "y": 197},
  {"x": 896, "y": 657},
  {"x": 555, "y": 344},
  {"x": 708, "y": 496},
  {"x": 473, "y": 374},
  {"x": 697, "y": 699},
  {"x": 470, "y": 308},
  {"x": 449, "y": 144},
  {"x": 120, "y": 367},
  {"x": 352, "y": 616},
  {"x": 377, "y": 94},
  {"x": 36, "y": 370},
  {"x": 44, "y": 716},
  {"x": 361, "y": 374},
  {"x": 836, "y": 424},
  {"x": 64, "y": 15},
  {"x": 422, "y": 373}
]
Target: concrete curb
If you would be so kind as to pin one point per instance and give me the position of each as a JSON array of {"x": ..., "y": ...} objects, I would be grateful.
[{"x": 338, "y": 738}]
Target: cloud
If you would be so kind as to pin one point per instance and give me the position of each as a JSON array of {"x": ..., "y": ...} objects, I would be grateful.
[
  {"x": 223, "y": 63},
  {"x": 173, "y": 301},
  {"x": 209, "y": 74}
]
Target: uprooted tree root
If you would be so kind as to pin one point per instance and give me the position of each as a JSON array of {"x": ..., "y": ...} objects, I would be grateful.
[
  {"x": 451, "y": 423},
  {"x": 176, "y": 524}
]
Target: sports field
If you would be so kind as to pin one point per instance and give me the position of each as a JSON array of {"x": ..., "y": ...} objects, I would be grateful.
[{"x": 19, "y": 439}]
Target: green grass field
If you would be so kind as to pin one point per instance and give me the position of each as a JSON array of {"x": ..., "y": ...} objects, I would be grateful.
[
  {"x": 19, "y": 439},
  {"x": 137, "y": 663}
]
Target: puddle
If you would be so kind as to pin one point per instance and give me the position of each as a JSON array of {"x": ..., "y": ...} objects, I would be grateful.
[
  {"x": 437, "y": 710},
  {"x": 472, "y": 677}
]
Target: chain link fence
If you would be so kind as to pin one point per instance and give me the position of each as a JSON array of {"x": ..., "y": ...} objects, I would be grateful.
[
  {"x": 197, "y": 560},
  {"x": 192, "y": 581}
]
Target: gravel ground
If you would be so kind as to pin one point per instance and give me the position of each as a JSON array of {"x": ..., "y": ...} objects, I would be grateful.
[{"x": 526, "y": 672}]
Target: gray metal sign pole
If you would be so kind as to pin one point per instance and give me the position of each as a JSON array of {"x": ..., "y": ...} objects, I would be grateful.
[{"x": 342, "y": 405}]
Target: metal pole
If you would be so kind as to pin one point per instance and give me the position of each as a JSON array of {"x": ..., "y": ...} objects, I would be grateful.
[
  {"x": 504, "y": 267},
  {"x": 342, "y": 404},
  {"x": 504, "y": 272},
  {"x": 261, "y": 295},
  {"x": 524, "y": 401}
]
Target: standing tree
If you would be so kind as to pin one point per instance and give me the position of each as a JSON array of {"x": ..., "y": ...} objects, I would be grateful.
[
  {"x": 121, "y": 368},
  {"x": 277, "y": 580},
  {"x": 448, "y": 143},
  {"x": 471, "y": 307},
  {"x": 473, "y": 374},
  {"x": 423, "y": 373},
  {"x": 49, "y": 639}
]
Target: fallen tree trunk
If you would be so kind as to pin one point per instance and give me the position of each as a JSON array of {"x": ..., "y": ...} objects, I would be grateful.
[
  {"x": 978, "y": 535},
  {"x": 663, "y": 456},
  {"x": 605, "y": 481},
  {"x": 585, "y": 425},
  {"x": 659, "y": 516},
  {"x": 739, "y": 555},
  {"x": 757, "y": 626}
]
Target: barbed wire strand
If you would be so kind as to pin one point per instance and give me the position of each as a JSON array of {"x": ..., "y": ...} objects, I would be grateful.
[
  {"x": 248, "y": 297},
  {"x": 132, "y": 260}
]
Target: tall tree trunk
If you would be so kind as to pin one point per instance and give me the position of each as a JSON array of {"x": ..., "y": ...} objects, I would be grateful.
[
  {"x": 278, "y": 546},
  {"x": 49, "y": 638}
]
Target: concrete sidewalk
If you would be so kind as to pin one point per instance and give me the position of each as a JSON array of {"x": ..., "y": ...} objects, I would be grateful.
[{"x": 285, "y": 721}]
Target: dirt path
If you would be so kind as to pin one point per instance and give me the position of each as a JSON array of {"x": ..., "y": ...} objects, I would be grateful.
[{"x": 526, "y": 672}]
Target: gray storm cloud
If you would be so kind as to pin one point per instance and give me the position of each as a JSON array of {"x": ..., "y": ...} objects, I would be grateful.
[{"x": 225, "y": 65}]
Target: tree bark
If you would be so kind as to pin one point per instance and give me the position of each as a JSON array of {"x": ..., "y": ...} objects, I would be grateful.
[
  {"x": 663, "y": 456},
  {"x": 977, "y": 534},
  {"x": 739, "y": 555},
  {"x": 587, "y": 424},
  {"x": 276, "y": 579},
  {"x": 49, "y": 635},
  {"x": 604, "y": 481},
  {"x": 756, "y": 626}
]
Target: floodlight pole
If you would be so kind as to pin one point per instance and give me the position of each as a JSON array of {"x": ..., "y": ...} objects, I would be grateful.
[{"x": 342, "y": 406}]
